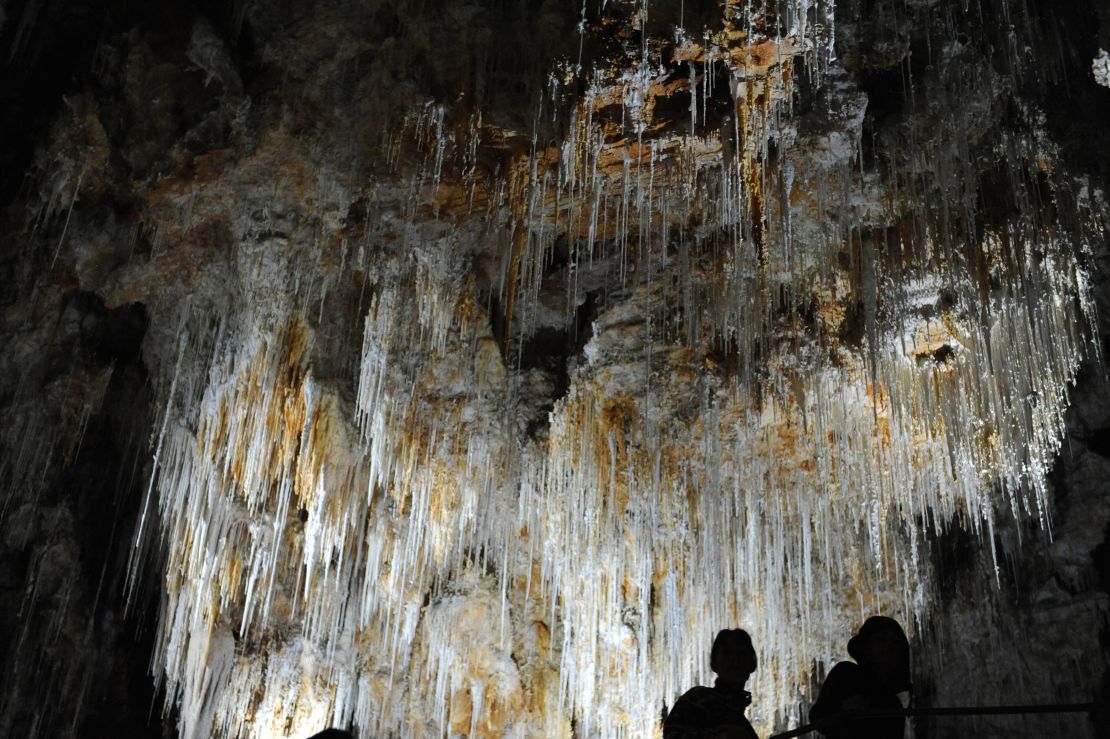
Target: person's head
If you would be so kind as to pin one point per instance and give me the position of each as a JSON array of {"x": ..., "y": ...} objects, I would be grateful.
[
  {"x": 881, "y": 647},
  {"x": 733, "y": 656}
]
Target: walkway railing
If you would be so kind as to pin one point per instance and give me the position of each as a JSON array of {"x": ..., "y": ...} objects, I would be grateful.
[{"x": 832, "y": 721}]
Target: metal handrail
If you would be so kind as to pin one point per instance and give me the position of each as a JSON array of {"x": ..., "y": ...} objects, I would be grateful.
[{"x": 956, "y": 711}]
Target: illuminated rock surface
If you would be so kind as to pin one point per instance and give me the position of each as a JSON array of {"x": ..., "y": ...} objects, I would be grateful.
[{"x": 460, "y": 370}]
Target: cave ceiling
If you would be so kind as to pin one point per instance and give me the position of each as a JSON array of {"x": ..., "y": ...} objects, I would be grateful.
[{"x": 500, "y": 353}]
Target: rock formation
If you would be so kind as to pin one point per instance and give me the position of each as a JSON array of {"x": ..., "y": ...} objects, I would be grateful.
[{"x": 459, "y": 368}]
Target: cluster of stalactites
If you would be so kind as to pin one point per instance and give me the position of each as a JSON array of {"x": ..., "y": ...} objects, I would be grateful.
[
  {"x": 409, "y": 563},
  {"x": 279, "y": 508}
]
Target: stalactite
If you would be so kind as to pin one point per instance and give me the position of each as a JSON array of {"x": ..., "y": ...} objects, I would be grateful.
[{"x": 808, "y": 355}]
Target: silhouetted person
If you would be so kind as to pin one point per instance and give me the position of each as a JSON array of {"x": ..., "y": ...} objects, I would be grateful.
[
  {"x": 718, "y": 712},
  {"x": 333, "y": 734},
  {"x": 878, "y": 680}
]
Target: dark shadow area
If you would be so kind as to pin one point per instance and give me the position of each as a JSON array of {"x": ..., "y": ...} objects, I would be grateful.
[{"x": 78, "y": 660}]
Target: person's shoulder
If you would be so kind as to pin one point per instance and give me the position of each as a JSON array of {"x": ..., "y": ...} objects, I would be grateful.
[
  {"x": 845, "y": 669},
  {"x": 843, "y": 680},
  {"x": 844, "y": 673},
  {"x": 698, "y": 692},
  {"x": 689, "y": 707},
  {"x": 696, "y": 696}
]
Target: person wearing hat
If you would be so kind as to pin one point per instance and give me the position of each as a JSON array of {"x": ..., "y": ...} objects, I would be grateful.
[
  {"x": 878, "y": 680},
  {"x": 718, "y": 712}
]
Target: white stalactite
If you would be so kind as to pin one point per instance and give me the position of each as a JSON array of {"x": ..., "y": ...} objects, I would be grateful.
[{"x": 410, "y": 561}]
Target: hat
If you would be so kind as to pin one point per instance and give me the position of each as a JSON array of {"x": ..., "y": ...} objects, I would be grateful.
[{"x": 871, "y": 628}]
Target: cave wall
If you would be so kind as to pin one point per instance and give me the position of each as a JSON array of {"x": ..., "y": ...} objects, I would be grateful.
[{"x": 303, "y": 280}]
